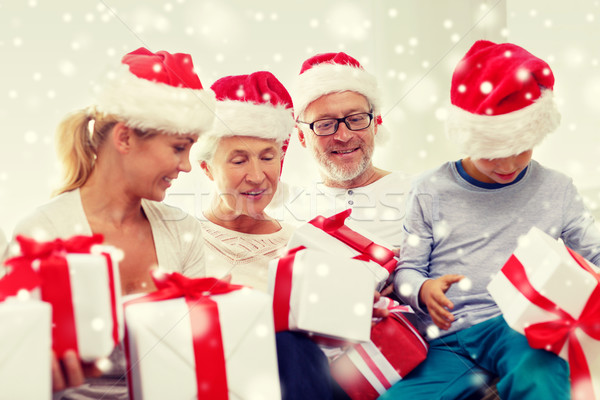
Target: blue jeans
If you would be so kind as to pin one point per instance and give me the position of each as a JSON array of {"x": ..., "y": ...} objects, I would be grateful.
[
  {"x": 459, "y": 365},
  {"x": 304, "y": 369}
]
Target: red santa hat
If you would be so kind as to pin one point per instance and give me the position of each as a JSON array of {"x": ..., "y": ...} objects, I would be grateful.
[
  {"x": 502, "y": 101},
  {"x": 333, "y": 73},
  {"x": 255, "y": 105},
  {"x": 158, "y": 91}
]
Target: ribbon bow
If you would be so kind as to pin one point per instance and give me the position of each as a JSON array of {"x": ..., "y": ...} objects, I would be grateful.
[
  {"x": 209, "y": 355},
  {"x": 335, "y": 227},
  {"x": 33, "y": 249},
  {"x": 553, "y": 335},
  {"x": 22, "y": 276}
]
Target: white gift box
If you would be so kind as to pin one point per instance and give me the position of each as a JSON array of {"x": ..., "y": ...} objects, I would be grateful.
[
  {"x": 312, "y": 237},
  {"x": 96, "y": 301},
  {"x": 79, "y": 277},
  {"x": 553, "y": 272},
  {"x": 327, "y": 297},
  {"x": 25, "y": 350},
  {"x": 161, "y": 354}
]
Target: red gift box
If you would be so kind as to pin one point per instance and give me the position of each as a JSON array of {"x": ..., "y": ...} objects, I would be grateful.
[{"x": 369, "y": 369}]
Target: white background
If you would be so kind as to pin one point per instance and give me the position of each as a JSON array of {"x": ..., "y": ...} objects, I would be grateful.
[{"x": 54, "y": 51}]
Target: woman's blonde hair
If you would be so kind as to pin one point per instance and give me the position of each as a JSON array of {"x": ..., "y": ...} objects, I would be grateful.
[{"x": 78, "y": 138}]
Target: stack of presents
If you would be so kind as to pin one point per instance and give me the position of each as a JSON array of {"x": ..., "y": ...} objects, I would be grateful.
[{"x": 206, "y": 338}]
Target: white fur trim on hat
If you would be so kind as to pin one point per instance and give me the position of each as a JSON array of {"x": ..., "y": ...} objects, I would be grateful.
[
  {"x": 326, "y": 78},
  {"x": 505, "y": 135},
  {"x": 150, "y": 105},
  {"x": 265, "y": 121}
]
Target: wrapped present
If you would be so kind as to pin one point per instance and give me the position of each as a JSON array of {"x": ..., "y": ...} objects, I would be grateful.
[
  {"x": 315, "y": 293},
  {"x": 201, "y": 338},
  {"x": 367, "y": 370},
  {"x": 24, "y": 346},
  {"x": 80, "y": 279},
  {"x": 332, "y": 236},
  {"x": 552, "y": 295}
]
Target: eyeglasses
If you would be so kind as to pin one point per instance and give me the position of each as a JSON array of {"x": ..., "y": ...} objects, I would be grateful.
[{"x": 329, "y": 126}]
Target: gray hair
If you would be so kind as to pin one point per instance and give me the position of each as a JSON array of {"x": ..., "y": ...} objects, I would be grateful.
[{"x": 207, "y": 145}]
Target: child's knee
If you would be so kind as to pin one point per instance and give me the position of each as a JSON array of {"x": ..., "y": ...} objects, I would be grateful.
[{"x": 539, "y": 374}]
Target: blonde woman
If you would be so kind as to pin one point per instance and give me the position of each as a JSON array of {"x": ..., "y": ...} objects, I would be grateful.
[{"x": 120, "y": 156}]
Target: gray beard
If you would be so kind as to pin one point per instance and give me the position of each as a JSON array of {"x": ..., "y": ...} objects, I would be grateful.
[{"x": 344, "y": 173}]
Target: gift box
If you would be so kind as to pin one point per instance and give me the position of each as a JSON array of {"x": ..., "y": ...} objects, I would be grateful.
[
  {"x": 80, "y": 279},
  {"x": 314, "y": 292},
  {"x": 367, "y": 370},
  {"x": 332, "y": 236},
  {"x": 552, "y": 295},
  {"x": 25, "y": 356},
  {"x": 201, "y": 338}
]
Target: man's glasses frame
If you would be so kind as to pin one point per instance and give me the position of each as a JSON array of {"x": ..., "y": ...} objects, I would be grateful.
[{"x": 337, "y": 122}]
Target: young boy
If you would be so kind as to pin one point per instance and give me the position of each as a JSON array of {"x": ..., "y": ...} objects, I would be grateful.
[{"x": 464, "y": 220}]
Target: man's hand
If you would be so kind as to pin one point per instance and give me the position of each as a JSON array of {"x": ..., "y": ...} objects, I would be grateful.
[
  {"x": 70, "y": 371},
  {"x": 432, "y": 294}
]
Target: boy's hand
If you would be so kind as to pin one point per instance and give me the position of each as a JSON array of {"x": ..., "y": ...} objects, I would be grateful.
[{"x": 432, "y": 294}]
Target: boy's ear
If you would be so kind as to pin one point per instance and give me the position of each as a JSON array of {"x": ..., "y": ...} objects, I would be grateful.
[
  {"x": 206, "y": 168},
  {"x": 301, "y": 137},
  {"x": 122, "y": 137}
]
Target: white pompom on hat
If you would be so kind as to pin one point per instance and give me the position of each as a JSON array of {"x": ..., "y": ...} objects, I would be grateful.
[
  {"x": 158, "y": 91},
  {"x": 502, "y": 101}
]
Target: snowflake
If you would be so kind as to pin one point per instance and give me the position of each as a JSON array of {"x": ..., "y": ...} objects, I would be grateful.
[
  {"x": 406, "y": 289},
  {"x": 360, "y": 309},
  {"x": 103, "y": 364},
  {"x": 448, "y": 24},
  {"x": 413, "y": 240},
  {"x": 465, "y": 284},
  {"x": 433, "y": 332},
  {"x": 97, "y": 324},
  {"x": 322, "y": 269},
  {"x": 486, "y": 87},
  {"x": 31, "y": 137},
  {"x": 261, "y": 330}
]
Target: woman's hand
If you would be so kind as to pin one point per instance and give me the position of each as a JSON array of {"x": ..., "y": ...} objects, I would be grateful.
[
  {"x": 70, "y": 371},
  {"x": 432, "y": 294}
]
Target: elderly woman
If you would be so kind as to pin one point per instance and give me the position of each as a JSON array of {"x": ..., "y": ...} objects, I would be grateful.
[
  {"x": 242, "y": 154},
  {"x": 120, "y": 156}
]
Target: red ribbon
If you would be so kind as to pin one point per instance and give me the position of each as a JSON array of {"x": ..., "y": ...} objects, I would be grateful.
[
  {"x": 552, "y": 335},
  {"x": 211, "y": 374},
  {"x": 283, "y": 289},
  {"x": 53, "y": 280},
  {"x": 335, "y": 227}
]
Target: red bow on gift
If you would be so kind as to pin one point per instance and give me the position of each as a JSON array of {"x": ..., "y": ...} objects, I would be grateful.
[
  {"x": 552, "y": 335},
  {"x": 335, "y": 227},
  {"x": 209, "y": 355},
  {"x": 21, "y": 274}
]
